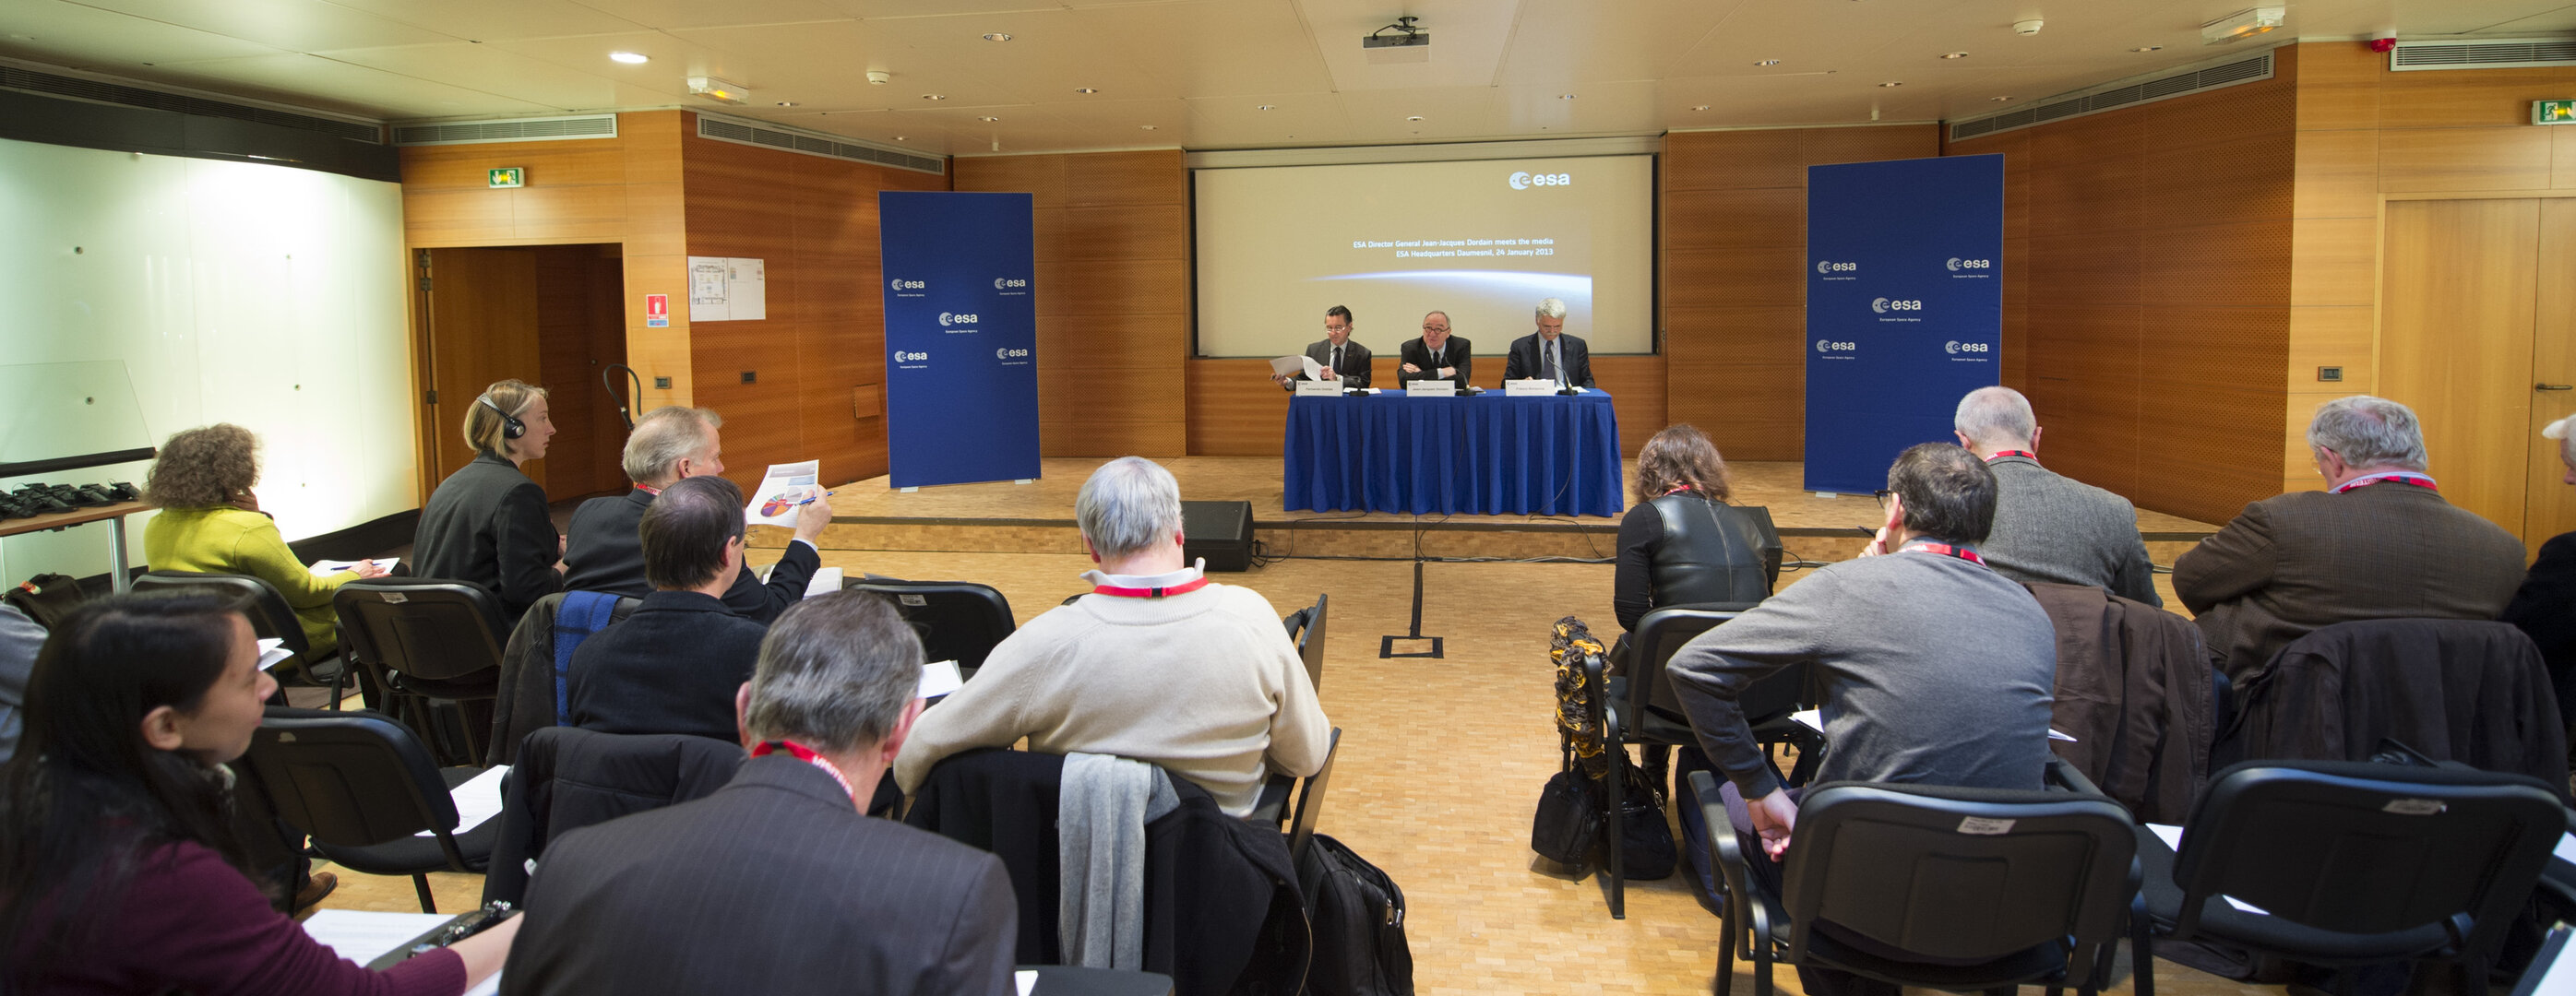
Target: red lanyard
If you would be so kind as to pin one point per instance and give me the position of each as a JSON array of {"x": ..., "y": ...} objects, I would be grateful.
[
  {"x": 807, "y": 755},
  {"x": 2000, "y": 454},
  {"x": 1946, "y": 550},
  {"x": 1677, "y": 489},
  {"x": 2422, "y": 482},
  {"x": 1182, "y": 588}
]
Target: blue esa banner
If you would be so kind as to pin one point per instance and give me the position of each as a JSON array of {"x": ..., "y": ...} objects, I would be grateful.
[
  {"x": 1904, "y": 308},
  {"x": 961, "y": 332}
]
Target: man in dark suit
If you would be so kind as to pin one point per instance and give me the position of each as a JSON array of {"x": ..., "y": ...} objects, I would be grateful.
[
  {"x": 1549, "y": 353},
  {"x": 1437, "y": 355},
  {"x": 777, "y": 883},
  {"x": 672, "y": 665},
  {"x": 601, "y": 552},
  {"x": 2378, "y": 543},
  {"x": 1342, "y": 359}
]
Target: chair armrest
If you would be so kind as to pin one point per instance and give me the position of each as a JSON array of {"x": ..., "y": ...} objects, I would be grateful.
[
  {"x": 1271, "y": 806},
  {"x": 1725, "y": 852},
  {"x": 2063, "y": 775}
]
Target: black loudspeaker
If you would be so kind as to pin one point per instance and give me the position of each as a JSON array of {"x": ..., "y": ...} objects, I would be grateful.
[{"x": 1220, "y": 531}]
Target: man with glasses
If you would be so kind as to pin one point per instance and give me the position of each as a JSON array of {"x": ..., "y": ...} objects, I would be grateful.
[{"x": 1549, "y": 354}]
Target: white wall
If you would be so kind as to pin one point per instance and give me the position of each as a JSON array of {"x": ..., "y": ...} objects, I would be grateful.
[{"x": 267, "y": 296}]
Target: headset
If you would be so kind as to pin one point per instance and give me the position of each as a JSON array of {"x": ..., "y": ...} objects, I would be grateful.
[{"x": 511, "y": 427}]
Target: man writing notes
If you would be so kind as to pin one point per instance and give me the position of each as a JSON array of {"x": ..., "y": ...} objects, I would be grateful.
[
  {"x": 1342, "y": 359},
  {"x": 1550, "y": 354},
  {"x": 1437, "y": 355}
]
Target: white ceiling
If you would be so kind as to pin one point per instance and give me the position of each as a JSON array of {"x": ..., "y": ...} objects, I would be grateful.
[{"x": 1188, "y": 73}]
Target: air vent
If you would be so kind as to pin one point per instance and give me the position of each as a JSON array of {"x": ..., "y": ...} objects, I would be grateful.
[
  {"x": 100, "y": 91},
  {"x": 508, "y": 130},
  {"x": 2484, "y": 53},
  {"x": 2225, "y": 74},
  {"x": 741, "y": 132}
]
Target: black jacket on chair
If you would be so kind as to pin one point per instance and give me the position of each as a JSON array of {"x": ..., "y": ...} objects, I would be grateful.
[
  {"x": 671, "y": 667},
  {"x": 526, "y": 702},
  {"x": 603, "y": 552},
  {"x": 487, "y": 525},
  {"x": 567, "y": 779}
]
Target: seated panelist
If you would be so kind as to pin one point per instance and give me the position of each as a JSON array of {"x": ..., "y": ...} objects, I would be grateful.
[
  {"x": 1342, "y": 359},
  {"x": 1437, "y": 355},
  {"x": 1550, "y": 354}
]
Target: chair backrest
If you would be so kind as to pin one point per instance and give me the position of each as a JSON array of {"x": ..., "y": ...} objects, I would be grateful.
[
  {"x": 270, "y": 618},
  {"x": 1966, "y": 874},
  {"x": 1310, "y": 801},
  {"x": 958, "y": 620},
  {"x": 422, "y": 627},
  {"x": 350, "y": 779},
  {"x": 2361, "y": 848},
  {"x": 1662, "y": 632},
  {"x": 1310, "y": 639}
]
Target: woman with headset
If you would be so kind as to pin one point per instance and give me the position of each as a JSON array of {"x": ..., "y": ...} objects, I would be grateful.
[{"x": 487, "y": 523}]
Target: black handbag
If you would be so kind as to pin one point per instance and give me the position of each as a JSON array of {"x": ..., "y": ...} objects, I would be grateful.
[
  {"x": 1647, "y": 852},
  {"x": 1568, "y": 824},
  {"x": 1358, "y": 916}
]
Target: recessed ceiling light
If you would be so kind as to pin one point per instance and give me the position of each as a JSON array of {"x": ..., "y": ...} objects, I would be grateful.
[
  {"x": 1701, "y": 107},
  {"x": 997, "y": 36},
  {"x": 1893, "y": 83},
  {"x": 986, "y": 117},
  {"x": 1267, "y": 107},
  {"x": 2148, "y": 48},
  {"x": 1414, "y": 117},
  {"x": 1954, "y": 55},
  {"x": 787, "y": 103},
  {"x": 1146, "y": 127},
  {"x": 1085, "y": 89},
  {"x": 1768, "y": 62},
  {"x": 1565, "y": 96},
  {"x": 934, "y": 96},
  {"x": 630, "y": 58},
  {"x": 1999, "y": 99}
]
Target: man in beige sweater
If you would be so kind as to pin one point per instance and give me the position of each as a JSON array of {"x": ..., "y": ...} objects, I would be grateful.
[{"x": 1157, "y": 664}]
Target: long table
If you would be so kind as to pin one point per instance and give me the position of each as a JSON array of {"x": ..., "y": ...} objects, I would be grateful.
[{"x": 1478, "y": 455}]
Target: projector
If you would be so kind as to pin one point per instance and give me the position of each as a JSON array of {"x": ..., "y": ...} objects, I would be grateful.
[{"x": 1406, "y": 44}]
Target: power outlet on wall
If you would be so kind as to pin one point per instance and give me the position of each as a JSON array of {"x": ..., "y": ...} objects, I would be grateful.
[
  {"x": 2330, "y": 374},
  {"x": 751, "y": 376},
  {"x": 661, "y": 383}
]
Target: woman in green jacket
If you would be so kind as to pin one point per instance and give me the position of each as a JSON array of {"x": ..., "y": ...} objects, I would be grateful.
[{"x": 210, "y": 523}]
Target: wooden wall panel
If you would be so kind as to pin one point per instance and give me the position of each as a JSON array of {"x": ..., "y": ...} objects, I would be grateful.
[
  {"x": 579, "y": 331},
  {"x": 1733, "y": 208},
  {"x": 1113, "y": 251}
]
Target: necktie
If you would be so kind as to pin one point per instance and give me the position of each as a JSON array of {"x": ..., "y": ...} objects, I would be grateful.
[
  {"x": 1337, "y": 360},
  {"x": 1547, "y": 353}
]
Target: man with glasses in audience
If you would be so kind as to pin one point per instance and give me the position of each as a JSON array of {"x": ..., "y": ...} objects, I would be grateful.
[{"x": 1935, "y": 670}]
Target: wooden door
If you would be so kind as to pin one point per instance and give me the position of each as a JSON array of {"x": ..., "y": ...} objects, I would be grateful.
[
  {"x": 2550, "y": 502},
  {"x": 482, "y": 306},
  {"x": 2456, "y": 342}
]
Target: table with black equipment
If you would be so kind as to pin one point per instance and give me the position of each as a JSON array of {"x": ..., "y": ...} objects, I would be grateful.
[
  {"x": 113, "y": 515},
  {"x": 1487, "y": 454}
]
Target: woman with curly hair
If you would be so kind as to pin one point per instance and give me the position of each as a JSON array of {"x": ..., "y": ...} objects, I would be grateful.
[
  {"x": 1681, "y": 544},
  {"x": 210, "y": 523}
]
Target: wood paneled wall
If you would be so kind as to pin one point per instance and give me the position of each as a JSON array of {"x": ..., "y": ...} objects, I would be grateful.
[
  {"x": 2148, "y": 291},
  {"x": 2367, "y": 136},
  {"x": 813, "y": 223},
  {"x": 1734, "y": 219},
  {"x": 1114, "y": 309},
  {"x": 581, "y": 329}
]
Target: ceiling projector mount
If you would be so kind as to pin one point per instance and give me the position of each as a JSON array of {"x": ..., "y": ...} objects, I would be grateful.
[{"x": 1407, "y": 43}]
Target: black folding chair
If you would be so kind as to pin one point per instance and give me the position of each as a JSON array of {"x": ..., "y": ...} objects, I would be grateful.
[
  {"x": 2352, "y": 863},
  {"x": 434, "y": 647},
  {"x": 1943, "y": 888},
  {"x": 1272, "y": 806},
  {"x": 270, "y": 616},
  {"x": 958, "y": 620},
  {"x": 362, "y": 786},
  {"x": 1306, "y": 628}
]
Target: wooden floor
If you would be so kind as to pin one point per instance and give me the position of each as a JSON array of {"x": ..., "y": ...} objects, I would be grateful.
[{"x": 1442, "y": 760}]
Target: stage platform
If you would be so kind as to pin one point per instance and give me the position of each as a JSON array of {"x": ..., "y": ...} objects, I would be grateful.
[{"x": 1038, "y": 518}]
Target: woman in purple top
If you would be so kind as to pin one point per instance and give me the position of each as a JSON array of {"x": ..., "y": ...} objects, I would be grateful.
[{"x": 118, "y": 868}]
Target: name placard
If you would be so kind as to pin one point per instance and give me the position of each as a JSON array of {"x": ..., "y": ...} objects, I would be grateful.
[
  {"x": 1319, "y": 388},
  {"x": 1527, "y": 388},
  {"x": 1431, "y": 389}
]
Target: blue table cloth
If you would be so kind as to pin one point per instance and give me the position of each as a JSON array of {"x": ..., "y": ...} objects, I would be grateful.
[{"x": 1478, "y": 455}]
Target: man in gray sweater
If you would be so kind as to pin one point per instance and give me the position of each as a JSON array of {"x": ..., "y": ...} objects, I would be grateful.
[
  {"x": 2048, "y": 527},
  {"x": 1935, "y": 669}
]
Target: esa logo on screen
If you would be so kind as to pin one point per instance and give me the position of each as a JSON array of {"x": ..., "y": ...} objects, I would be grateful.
[
  {"x": 1885, "y": 305},
  {"x": 911, "y": 357},
  {"x": 901, "y": 284},
  {"x": 1830, "y": 346},
  {"x": 1956, "y": 264},
  {"x": 1524, "y": 180},
  {"x": 1828, "y": 266},
  {"x": 1004, "y": 283},
  {"x": 1954, "y": 347},
  {"x": 946, "y": 319},
  {"x": 1007, "y": 353}
]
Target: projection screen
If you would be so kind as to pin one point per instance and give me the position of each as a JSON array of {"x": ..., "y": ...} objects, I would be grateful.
[{"x": 1482, "y": 240}]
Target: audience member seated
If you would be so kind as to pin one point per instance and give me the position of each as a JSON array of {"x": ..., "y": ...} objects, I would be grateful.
[
  {"x": 119, "y": 868},
  {"x": 1157, "y": 664},
  {"x": 673, "y": 665},
  {"x": 2545, "y": 608},
  {"x": 1935, "y": 670},
  {"x": 1681, "y": 544},
  {"x": 2378, "y": 543},
  {"x": 20, "y": 637},
  {"x": 602, "y": 553},
  {"x": 210, "y": 523},
  {"x": 487, "y": 523},
  {"x": 776, "y": 883},
  {"x": 2050, "y": 528}
]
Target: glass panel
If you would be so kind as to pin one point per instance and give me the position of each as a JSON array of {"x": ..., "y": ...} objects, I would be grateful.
[{"x": 53, "y": 410}]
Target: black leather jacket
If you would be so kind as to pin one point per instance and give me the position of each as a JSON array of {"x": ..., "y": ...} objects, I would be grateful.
[{"x": 1683, "y": 549}]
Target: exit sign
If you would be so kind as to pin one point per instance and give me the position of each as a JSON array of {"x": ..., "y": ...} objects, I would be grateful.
[
  {"x": 2550, "y": 112},
  {"x": 517, "y": 176}
]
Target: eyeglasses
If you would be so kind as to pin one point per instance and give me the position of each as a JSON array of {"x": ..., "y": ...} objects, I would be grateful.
[{"x": 1882, "y": 494}]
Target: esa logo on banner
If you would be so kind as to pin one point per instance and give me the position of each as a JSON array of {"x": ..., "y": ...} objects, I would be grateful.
[
  {"x": 947, "y": 319},
  {"x": 1832, "y": 270},
  {"x": 1968, "y": 352},
  {"x": 1969, "y": 269},
  {"x": 1835, "y": 350},
  {"x": 907, "y": 288},
  {"x": 1012, "y": 357},
  {"x": 1886, "y": 306},
  {"x": 912, "y": 360},
  {"x": 1011, "y": 286}
]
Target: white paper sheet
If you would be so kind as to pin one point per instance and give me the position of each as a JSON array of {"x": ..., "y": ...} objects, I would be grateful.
[
  {"x": 1027, "y": 978},
  {"x": 272, "y": 651},
  {"x": 1314, "y": 370},
  {"x": 938, "y": 678},
  {"x": 728, "y": 289},
  {"x": 2172, "y": 836},
  {"x": 363, "y": 937},
  {"x": 1286, "y": 365},
  {"x": 476, "y": 800},
  {"x": 2566, "y": 849},
  {"x": 826, "y": 581},
  {"x": 326, "y": 568},
  {"x": 1813, "y": 719},
  {"x": 774, "y": 502}
]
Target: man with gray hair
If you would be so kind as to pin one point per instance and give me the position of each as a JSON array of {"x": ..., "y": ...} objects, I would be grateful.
[
  {"x": 670, "y": 444},
  {"x": 2378, "y": 543},
  {"x": 1156, "y": 664},
  {"x": 778, "y": 882},
  {"x": 1549, "y": 353},
  {"x": 2048, "y": 527}
]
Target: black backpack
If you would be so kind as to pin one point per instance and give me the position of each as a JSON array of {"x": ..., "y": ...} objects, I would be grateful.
[
  {"x": 1358, "y": 916},
  {"x": 46, "y": 598}
]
